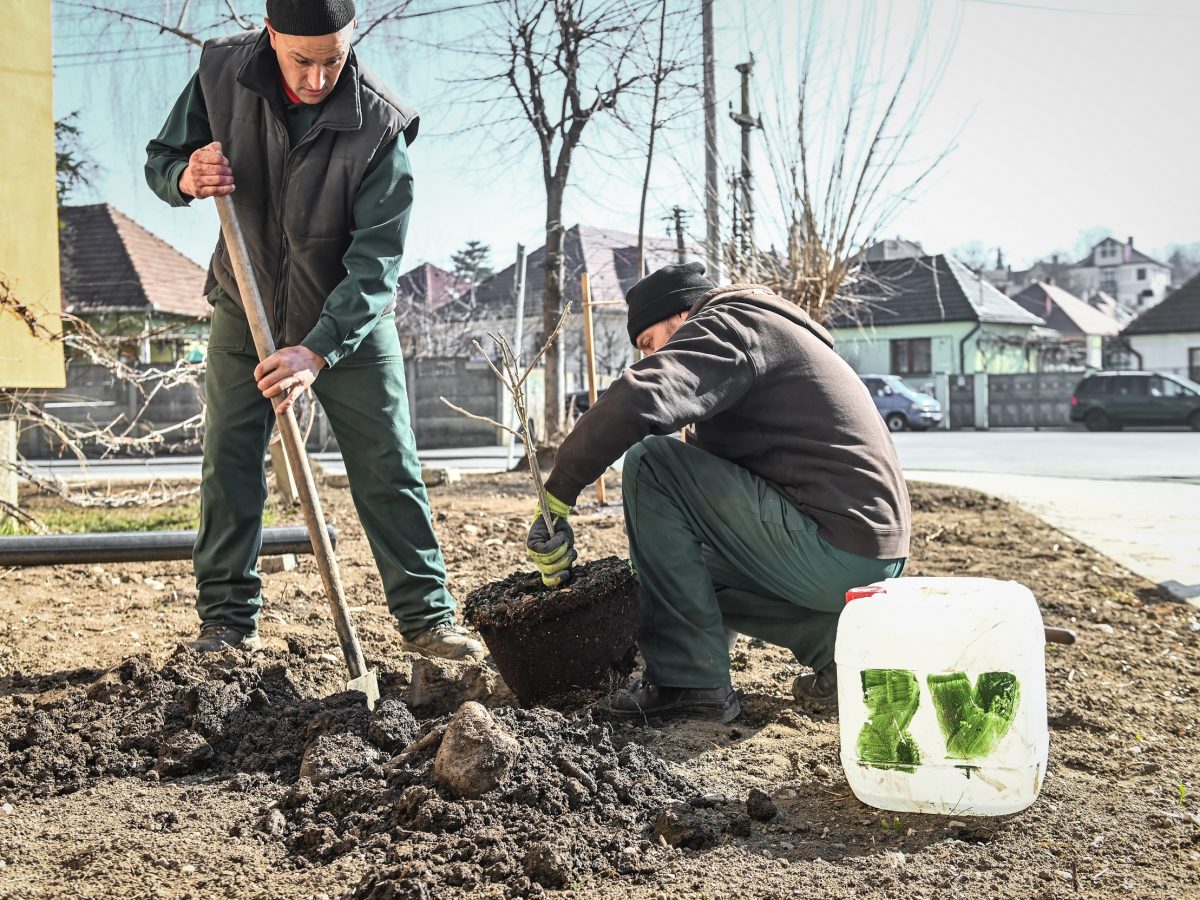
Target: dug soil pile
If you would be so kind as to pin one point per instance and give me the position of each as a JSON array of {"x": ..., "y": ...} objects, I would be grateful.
[
  {"x": 160, "y": 774},
  {"x": 511, "y": 799}
]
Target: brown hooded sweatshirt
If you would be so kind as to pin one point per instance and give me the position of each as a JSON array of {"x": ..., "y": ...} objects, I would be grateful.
[{"x": 765, "y": 390}]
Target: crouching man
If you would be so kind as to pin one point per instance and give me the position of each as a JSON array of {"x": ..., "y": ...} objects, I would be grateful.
[{"x": 789, "y": 494}]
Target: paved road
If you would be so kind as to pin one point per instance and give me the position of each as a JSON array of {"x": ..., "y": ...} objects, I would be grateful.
[
  {"x": 1133, "y": 495},
  {"x": 1059, "y": 453}
]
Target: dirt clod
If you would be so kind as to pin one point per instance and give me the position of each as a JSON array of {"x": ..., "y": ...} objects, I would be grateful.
[
  {"x": 476, "y": 754},
  {"x": 760, "y": 806}
]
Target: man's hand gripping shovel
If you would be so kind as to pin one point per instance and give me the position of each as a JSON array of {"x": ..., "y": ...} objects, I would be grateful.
[{"x": 361, "y": 679}]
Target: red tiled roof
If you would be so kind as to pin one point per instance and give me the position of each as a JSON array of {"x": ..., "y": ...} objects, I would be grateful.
[
  {"x": 109, "y": 263},
  {"x": 430, "y": 286}
]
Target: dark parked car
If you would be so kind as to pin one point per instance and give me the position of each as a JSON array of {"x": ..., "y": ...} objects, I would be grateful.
[
  {"x": 901, "y": 405},
  {"x": 1107, "y": 401}
]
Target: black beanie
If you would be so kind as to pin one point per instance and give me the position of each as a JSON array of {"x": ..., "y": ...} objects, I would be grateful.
[
  {"x": 310, "y": 18},
  {"x": 665, "y": 293}
]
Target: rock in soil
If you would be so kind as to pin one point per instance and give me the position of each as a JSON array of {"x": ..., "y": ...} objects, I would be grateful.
[{"x": 476, "y": 754}]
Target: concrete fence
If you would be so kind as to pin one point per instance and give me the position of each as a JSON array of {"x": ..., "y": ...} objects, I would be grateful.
[
  {"x": 92, "y": 397},
  {"x": 1027, "y": 400}
]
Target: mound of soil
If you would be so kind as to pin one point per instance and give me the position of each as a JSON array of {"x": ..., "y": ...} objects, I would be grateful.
[
  {"x": 548, "y": 643},
  {"x": 334, "y": 779}
]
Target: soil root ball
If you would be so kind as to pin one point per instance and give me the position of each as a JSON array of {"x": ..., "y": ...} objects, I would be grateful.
[{"x": 476, "y": 754}]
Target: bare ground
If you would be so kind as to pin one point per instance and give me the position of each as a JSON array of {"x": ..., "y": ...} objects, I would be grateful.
[{"x": 1117, "y": 814}]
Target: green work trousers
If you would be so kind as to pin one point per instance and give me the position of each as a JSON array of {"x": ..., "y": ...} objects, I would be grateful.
[
  {"x": 365, "y": 401},
  {"x": 714, "y": 546}
]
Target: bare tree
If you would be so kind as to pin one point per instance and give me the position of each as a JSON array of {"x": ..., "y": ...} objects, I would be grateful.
[
  {"x": 564, "y": 63},
  {"x": 974, "y": 255},
  {"x": 839, "y": 153}
]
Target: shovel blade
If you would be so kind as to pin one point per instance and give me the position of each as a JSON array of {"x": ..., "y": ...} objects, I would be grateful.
[{"x": 367, "y": 683}]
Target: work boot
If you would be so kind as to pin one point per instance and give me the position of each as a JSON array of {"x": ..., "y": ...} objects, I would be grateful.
[
  {"x": 643, "y": 700},
  {"x": 817, "y": 690},
  {"x": 446, "y": 639},
  {"x": 215, "y": 637}
]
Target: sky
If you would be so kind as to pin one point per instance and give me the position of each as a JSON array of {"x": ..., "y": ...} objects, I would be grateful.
[{"x": 1058, "y": 117}]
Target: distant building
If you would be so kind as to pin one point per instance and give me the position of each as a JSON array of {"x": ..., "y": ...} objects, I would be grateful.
[
  {"x": 893, "y": 248},
  {"x": 1136, "y": 280},
  {"x": 125, "y": 281},
  {"x": 610, "y": 259},
  {"x": 1166, "y": 337},
  {"x": 917, "y": 317},
  {"x": 1084, "y": 329}
]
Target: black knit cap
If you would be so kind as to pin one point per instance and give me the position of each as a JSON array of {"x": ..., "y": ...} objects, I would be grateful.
[
  {"x": 665, "y": 293},
  {"x": 310, "y": 18}
]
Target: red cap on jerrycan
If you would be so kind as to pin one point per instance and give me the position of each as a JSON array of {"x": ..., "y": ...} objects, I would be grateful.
[{"x": 869, "y": 590}]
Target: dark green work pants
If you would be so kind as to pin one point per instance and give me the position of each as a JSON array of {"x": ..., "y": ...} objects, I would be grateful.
[
  {"x": 714, "y": 545},
  {"x": 364, "y": 398}
]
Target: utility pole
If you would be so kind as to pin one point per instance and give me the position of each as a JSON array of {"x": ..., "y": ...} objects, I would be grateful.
[
  {"x": 678, "y": 214},
  {"x": 712, "y": 187},
  {"x": 748, "y": 123}
]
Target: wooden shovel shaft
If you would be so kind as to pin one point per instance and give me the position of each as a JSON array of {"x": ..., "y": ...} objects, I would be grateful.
[{"x": 293, "y": 444}]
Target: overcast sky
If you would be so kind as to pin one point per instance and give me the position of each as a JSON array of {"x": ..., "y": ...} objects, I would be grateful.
[{"x": 1063, "y": 116}]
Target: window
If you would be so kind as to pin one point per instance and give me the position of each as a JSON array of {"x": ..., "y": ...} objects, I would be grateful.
[
  {"x": 1167, "y": 387},
  {"x": 913, "y": 356},
  {"x": 1129, "y": 385},
  {"x": 1141, "y": 275},
  {"x": 1194, "y": 363}
]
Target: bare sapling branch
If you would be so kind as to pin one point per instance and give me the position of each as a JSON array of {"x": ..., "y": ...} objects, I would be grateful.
[{"x": 510, "y": 374}]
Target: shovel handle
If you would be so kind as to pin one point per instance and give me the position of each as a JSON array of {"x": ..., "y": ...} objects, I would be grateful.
[{"x": 293, "y": 443}]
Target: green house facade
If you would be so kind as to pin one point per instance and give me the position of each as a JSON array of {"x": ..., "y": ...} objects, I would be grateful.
[{"x": 921, "y": 316}]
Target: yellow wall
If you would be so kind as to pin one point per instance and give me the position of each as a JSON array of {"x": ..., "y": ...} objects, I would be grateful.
[{"x": 28, "y": 208}]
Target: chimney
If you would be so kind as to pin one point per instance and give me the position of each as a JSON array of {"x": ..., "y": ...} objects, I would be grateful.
[{"x": 1130, "y": 242}]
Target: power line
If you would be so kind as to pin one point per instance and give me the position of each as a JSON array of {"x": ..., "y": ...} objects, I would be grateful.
[{"x": 1083, "y": 12}]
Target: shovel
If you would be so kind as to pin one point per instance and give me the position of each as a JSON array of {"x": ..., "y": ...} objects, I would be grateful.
[{"x": 361, "y": 679}]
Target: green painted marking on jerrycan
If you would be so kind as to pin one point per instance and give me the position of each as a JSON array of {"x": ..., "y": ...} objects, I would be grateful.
[
  {"x": 973, "y": 718},
  {"x": 948, "y": 712}
]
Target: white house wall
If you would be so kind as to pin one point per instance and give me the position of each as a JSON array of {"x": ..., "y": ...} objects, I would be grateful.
[
  {"x": 1085, "y": 281},
  {"x": 1165, "y": 352}
]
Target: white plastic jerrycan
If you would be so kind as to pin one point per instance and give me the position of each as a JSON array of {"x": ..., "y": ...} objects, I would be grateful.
[{"x": 942, "y": 695}]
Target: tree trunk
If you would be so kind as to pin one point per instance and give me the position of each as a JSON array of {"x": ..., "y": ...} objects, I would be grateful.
[{"x": 552, "y": 302}]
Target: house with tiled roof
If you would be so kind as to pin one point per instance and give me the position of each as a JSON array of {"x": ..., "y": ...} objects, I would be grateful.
[
  {"x": 1084, "y": 329},
  {"x": 124, "y": 280},
  {"x": 1136, "y": 279},
  {"x": 932, "y": 314},
  {"x": 1166, "y": 338},
  {"x": 609, "y": 257}
]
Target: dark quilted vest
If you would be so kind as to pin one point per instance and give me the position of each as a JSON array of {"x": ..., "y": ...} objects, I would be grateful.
[{"x": 295, "y": 204}]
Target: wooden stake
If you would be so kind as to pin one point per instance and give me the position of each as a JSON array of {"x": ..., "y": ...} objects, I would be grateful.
[{"x": 590, "y": 346}]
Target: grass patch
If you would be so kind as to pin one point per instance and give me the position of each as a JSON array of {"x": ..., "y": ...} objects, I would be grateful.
[{"x": 61, "y": 518}]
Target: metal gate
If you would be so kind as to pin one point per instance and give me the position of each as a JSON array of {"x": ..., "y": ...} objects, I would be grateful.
[
  {"x": 1034, "y": 400},
  {"x": 962, "y": 401}
]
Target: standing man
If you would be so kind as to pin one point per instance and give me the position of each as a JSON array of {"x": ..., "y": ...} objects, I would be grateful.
[
  {"x": 789, "y": 495},
  {"x": 324, "y": 189}
]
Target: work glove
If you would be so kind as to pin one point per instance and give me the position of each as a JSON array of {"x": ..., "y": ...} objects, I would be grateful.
[{"x": 552, "y": 552}]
